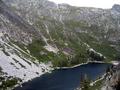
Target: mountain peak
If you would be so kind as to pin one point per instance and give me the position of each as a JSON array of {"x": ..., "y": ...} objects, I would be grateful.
[{"x": 116, "y": 7}]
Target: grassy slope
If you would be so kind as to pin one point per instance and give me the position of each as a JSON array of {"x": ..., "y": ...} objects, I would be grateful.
[{"x": 69, "y": 33}]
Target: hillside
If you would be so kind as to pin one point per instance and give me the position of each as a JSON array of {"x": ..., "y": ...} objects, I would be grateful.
[{"x": 38, "y": 34}]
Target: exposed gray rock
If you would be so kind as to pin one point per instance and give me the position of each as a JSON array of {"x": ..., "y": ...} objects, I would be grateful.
[
  {"x": 116, "y": 7},
  {"x": 113, "y": 79}
]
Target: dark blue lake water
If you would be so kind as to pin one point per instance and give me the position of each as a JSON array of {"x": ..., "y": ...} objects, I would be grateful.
[{"x": 65, "y": 79}]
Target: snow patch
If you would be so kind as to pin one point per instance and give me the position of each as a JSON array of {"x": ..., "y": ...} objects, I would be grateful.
[
  {"x": 1, "y": 34},
  {"x": 115, "y": 62}
]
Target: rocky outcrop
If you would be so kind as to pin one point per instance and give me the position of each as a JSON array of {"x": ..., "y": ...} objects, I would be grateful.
[
  {"x": 116, "y": 7},
  {"x": 113, "y": 79}
]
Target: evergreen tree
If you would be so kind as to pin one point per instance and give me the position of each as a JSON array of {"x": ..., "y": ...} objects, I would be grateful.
[{"x": 85, "y": 82}]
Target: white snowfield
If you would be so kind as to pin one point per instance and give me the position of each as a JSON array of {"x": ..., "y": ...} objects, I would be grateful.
[{"x": 17, "y": 66}]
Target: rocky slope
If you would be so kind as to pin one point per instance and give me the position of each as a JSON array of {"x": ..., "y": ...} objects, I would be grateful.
[
  {"x": 35, "y": 32},
  {"x": 16, "y": 65},
  {"x": 68, "y": 30},
  {"x": 112, "y": 81}
]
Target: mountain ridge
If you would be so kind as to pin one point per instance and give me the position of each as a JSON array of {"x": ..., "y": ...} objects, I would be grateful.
[{"x": 61, "y": 35}]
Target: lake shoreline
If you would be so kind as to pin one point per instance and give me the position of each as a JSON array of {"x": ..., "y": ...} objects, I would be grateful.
[
  {"x": 52, "y": 69},
  {"x": 112, "y": 62}
]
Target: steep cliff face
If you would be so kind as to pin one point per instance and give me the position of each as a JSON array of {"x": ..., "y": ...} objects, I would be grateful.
[
  {"x": 16, "y": 63},
  {"x": 61, "y": 34},
  {"x": 66, "y": 28},
  {"x": 112, "y": 81}
]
